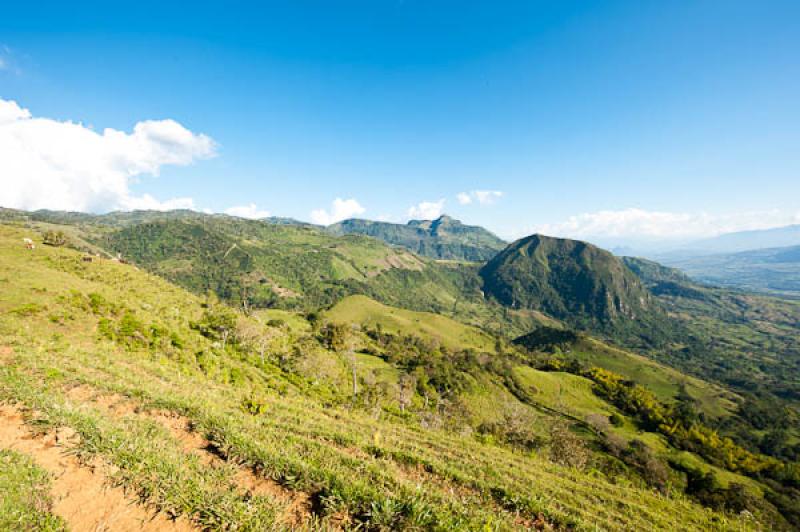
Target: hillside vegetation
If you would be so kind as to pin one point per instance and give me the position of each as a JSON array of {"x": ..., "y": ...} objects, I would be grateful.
[
  {"x": 705, "y": 410},
  {"x": 585, "y": 286},
  {"x": 228, "y": 420},
  {"x": 363, "y": 311}
]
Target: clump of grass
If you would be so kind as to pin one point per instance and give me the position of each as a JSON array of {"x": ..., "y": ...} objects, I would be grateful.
[{"x": 25, "y": 502}]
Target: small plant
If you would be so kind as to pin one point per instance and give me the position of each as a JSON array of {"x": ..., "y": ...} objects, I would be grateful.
[
  {"x": 254, "y": 406},
  {"x": 28, "y": 309}
]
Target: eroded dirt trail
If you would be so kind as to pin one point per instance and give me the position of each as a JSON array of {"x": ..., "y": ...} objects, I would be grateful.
[
  {"x": 81, "y": 494},
  {"x": 297, "y": 504}
]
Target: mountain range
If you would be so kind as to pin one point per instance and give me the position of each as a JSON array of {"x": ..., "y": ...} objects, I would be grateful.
[
  {"x": 659, "y": 381},
  {"x": 443, "y": 238}
]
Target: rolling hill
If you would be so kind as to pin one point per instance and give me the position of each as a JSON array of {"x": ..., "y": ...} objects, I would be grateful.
[{"x": 194, "y": 416}]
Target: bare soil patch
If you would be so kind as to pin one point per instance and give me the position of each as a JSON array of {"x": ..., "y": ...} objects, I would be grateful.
[
  {"x": 297, "y": 504},
  {"x": 82, "y": 494}
]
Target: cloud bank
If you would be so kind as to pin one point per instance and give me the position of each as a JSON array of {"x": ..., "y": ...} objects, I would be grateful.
[
  {"x": 247, "y": 211},
  {"x": 660, "y": 225},
  {"x": 426, "y": 210},
  {"x": 46, "y": 163},
  {"x": 340, "y": 210}
]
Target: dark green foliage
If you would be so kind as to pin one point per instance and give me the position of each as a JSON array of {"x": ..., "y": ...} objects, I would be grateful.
[
  {"x": 576, "y": 282},
  {"x": 548, "y": 339},
  {"x": 682, "y": 432},
  {"x": 443, "y": 238},
  {"x": 217, "y": 323},
  {"x": 337, "y": 336},
  {"x": 706, "y": 488},
  {"x": 54, "y": 238}
]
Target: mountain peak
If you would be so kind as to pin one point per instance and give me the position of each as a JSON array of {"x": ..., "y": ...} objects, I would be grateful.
[
  {"x": 442, "y": 238},
  {"x": 574, "y": 281}
]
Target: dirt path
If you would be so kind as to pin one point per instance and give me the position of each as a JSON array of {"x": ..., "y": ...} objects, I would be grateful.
[
  {"x": 297, "y": 504},
  {"x": 81, "y": 494}
]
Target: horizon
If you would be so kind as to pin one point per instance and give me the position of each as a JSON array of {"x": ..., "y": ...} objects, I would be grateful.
[
  {"x": 620, "y": 247},
  {"x": 629, "y": 124}
]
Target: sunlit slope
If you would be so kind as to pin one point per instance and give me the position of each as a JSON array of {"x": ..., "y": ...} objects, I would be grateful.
[
  {"x": 228, "y": 441},
  {"x": 361, "y": 310}
]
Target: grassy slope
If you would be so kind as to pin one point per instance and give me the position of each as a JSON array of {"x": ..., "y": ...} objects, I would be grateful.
[
  {"x": 662, "y": 380},
  {"x": 362, "y": 310},
  {"x": 665, "y": 382},
  {"x": 357, "y": 467}
]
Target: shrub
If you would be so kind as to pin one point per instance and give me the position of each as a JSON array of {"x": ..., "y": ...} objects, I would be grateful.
[
  {"x": 653, "y": 471},
  {"x": 566, "y": 447},
  {"x": 516, "y": 429},
  {"x": 54, "y": 238}
]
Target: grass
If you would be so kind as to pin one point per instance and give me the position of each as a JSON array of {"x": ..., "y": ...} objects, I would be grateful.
[
  {"x": 362, "y": 310},
  {"x": 25, "y": 502},
  {"x": 358, "y": 467},
  {"x": 662, "y": 380}
]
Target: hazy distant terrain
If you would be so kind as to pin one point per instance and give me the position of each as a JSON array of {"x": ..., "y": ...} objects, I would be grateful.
[{"x": 771, "y": 270}]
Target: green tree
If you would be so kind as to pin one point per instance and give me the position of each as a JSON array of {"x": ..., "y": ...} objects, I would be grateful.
[
  {"x": 218, "y": 321},
  {"x": 55, "y": 238}
]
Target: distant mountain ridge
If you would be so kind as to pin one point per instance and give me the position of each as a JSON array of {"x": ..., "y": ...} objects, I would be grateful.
[{"x": 442, "y": 238}]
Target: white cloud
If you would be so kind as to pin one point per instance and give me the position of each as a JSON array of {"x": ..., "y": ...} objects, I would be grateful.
[
  {"x": 146, "y": 202},
  {"x": 46, "y": 163},
  {"x": 340, "y": 210},
  {"x": 642, "y": 224},
  {"x": 464, "y": 198},
  {"x": 483, "y": 197},
  {"x": 247, "y": 211},
  {"x": 427, "y": 210}
]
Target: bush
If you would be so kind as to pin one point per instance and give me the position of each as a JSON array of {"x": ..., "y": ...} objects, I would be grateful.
[
  {"x": 217, "y": 323},
  {"x": 640, "y": 457},
  {"x": 516, "y": 429},
  {"x": 54, "y": 238},
  {"x": 566, "y": 447}
]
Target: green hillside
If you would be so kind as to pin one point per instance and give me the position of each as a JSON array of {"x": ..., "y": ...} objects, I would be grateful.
[
  {"x": 746, "y": 341},
  {"x": 361, "y": 310},
  {"x": 232, "y": 421},
  {"x": 586, "y": 287},
  {"x": 443, "y": 238}
]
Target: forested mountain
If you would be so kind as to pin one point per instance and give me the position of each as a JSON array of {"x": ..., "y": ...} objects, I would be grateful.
[
  {"x": 578, "y": 283},
  {"x": 443, "y": 238}
]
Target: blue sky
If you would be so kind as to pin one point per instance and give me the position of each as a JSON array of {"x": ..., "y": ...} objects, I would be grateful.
[{"x": 636, "y": 120}]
